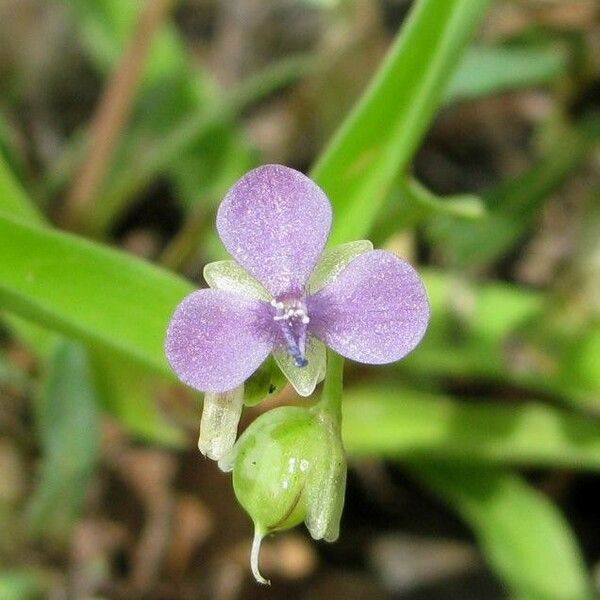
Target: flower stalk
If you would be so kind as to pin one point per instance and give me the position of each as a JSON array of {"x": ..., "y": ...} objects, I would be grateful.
[{"x": 331, "y": 399}]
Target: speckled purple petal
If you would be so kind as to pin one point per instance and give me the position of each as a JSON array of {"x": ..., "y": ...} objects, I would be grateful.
[
  {"x": 375, "y": 312},
  {"x": 216, "y": 340},
  {"x": 275, "y": 221}
]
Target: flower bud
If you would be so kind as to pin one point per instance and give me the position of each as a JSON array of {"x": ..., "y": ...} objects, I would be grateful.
[{"x": 289, "y": 466}]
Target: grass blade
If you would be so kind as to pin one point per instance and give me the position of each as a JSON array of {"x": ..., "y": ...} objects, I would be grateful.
[
  {"x": 523, "y": 536},
  {"x": 378, "y": 139}
]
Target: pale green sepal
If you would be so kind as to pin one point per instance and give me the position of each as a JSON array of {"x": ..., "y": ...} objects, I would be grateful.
[
  {"x": 333, "y": 261},
  {"x": 326, "y": 488},
  {"x": 304, "y": 379},
  {"x": 220, "y": 418},
  {"x": 228, "y": 276}
]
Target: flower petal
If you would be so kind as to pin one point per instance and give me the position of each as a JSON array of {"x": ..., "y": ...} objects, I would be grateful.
[
  {"x": 304, "y": 379},
  {"x": 275, "y": 221},
  {"x": 333, "y": 261},
  {"x": 216, "y": 340},
  {"x": 375, "y": 312},
  {"x": 228, "y": 276}
]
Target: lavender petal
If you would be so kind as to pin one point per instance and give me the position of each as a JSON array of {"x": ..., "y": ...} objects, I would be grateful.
[
  {"x": 375, "y": 312},
  {"x": 216, "y": 340},
  {"x": 275, "y": 221}
]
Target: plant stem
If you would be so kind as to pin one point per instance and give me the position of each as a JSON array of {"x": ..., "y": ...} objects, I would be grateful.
[{"x": 331, "y": 399}]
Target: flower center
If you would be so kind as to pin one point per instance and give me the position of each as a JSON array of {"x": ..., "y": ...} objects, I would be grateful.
[{"x": 292, "y": 318}]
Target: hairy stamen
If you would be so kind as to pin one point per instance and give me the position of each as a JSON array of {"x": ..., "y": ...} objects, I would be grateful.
[{"x": 293, "y": 320}]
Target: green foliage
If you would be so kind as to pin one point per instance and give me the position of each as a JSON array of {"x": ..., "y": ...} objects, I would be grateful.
[
  {"x": 404, "y": 423},
  {"x": 13, "y": 200},
  {"x": 500, "y": 316},
  {"x": 106, "y": 26},
  {"x": 176, "y": 149},
  {"x": 102, "y": 296},
  {"x": 119, "y": 306},
  {"x": 22, "y": 584},
  {"x": 127, "y": 392},
  {"x": 380, "y": 136},
  {"x": 484, "y": 71},
  {"x": 69, "y": 428},
  {"x": 524, "y": 537},
  {"x": 174, "y": 96},
  {"x": 512, "y": 206},
  {"x": 124, "y": 387}
]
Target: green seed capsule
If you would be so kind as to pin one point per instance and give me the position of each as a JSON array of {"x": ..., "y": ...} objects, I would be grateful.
[{"x": 289, "y": 467}]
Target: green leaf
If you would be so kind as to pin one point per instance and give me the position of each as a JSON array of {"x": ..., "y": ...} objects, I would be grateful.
[
  {"x": 421, "y": 200},
  {"x": 23, "y": 584},
  {"x": 128, "y": 393},
  {"x": 522, "y": 534},
  {"x": 125, "y": 389},
  {"x": 486, "y": 324},
  {"x": 16, "y": 204},
  {"x": 405, "y": 423},
  {"x": 99, "y": 295},
  {"x": 484, "y": 71},
  {"x": 511, "y": 207},
  {"x": 69, "y": 426},
  {"x": 106, "y": 27},
  {"x": 13, "y": 199},
  {"x": 378, "y": 139}
]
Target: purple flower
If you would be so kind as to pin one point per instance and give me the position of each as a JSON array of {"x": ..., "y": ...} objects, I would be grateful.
[{"x": 283, "y": 294}]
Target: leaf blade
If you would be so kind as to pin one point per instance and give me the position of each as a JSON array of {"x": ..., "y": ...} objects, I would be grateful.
[
  {"x": 380, "y": 136},
  {"x": 537, "y": 558},
  {"x": 89, "y": 291},
  {"x": 70, "y": 435},
  {"x": 484, "y": 71},
  {"x": 406, "y": 423}
]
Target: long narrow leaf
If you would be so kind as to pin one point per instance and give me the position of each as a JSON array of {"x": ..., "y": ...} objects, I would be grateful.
[
  {"x": 404, "y": 423},
  {"x": 379, "y": 138},
  {"x": 70, "y": 433},
  {"x": 484, "y": 71},
  {"x": 89, "y": 291},
  {"x": 522, "y": 534},
  {"x": 13, "y": 199}
]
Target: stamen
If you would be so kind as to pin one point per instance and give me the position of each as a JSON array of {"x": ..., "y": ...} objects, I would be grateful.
[{"x": 293, "y": 321}]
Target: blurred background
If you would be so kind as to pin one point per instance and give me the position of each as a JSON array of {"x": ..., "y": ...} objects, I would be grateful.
[{"x": 473, "y": 462}]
